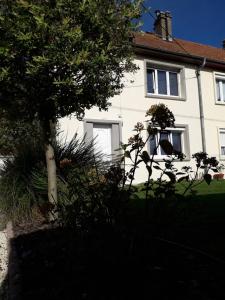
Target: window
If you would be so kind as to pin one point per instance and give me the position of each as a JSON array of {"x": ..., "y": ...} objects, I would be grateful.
[
  {"x": 163, "y": 82},
  {"x": 222, "y": 141},
  {"x": 106, "y": 135},
  {"x": 176, "y": 136},
  {"x": 220, "y": 89}
]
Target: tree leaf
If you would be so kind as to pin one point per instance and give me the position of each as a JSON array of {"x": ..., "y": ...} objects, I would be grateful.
[
  {"x": 208, "y": 178},
  {"x": 166, "y": 146}
]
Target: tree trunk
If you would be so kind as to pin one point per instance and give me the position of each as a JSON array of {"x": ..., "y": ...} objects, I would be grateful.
[
  {"x": 51, "y": 170},
  {"x": 49, "y": 128}
]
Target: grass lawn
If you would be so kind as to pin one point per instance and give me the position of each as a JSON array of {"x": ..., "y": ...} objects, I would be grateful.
[
  {"x": 211, "y": 199},
  {"x": 199, "y": 220}
]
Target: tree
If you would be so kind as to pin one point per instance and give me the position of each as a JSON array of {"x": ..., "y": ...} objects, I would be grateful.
[
  {"x": 13, "y": 134},
  {"x": 61, "y": 57}
]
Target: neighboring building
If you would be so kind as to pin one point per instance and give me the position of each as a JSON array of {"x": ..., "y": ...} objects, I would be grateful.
[{"x": 188, "y": 77}]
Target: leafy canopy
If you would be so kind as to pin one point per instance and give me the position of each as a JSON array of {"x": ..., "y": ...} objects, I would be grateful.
[{"x": 63, "y": 56}]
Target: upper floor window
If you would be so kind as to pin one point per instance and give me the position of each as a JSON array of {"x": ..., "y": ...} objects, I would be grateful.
[
  {"x": 165, "y": 80},
  {"x": 162, "y": 82},
  {"x": 220, "y": 89}
]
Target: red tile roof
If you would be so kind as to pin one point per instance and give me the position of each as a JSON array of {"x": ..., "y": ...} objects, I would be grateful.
[{"x": 151, "y": 40}]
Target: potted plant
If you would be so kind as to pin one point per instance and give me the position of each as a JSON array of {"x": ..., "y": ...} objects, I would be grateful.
[{"x": 219, "y": 175}]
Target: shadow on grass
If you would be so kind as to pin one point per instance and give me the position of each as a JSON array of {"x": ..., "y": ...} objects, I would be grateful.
[{"x": 109, "y": 264}]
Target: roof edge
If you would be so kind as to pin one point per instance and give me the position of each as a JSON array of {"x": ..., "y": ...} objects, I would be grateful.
[{"x": 192, "y": 59}]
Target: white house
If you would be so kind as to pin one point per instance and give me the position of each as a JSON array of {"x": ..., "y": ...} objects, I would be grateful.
[{"x": 187, "y": 77}]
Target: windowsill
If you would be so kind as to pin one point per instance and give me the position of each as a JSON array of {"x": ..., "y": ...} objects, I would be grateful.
[
  {"x": 165, "y": 97},
  {"x": 219, "y": 103},
  {"x": 161, "y": 159}
]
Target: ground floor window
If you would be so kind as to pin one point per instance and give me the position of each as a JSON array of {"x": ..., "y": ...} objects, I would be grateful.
[
  {"x": 178, "y": 137},
  {"x": 222, "y": 141}
]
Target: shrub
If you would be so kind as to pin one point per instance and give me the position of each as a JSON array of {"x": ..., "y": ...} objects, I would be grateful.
[{"x": 23, "y": 181}]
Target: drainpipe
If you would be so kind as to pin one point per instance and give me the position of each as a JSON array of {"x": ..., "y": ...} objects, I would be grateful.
[{"x": 198, "y": 75}]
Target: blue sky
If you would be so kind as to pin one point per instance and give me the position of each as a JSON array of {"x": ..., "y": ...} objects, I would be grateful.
[{"x": 201, "y": 21}]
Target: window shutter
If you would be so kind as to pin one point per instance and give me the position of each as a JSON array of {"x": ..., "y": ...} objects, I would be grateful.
[
  {"x": 88, "y": 131},
  {"x": 115, "y": 138}
]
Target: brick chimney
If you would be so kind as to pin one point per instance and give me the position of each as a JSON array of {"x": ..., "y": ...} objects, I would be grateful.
[
  {"x": 223, "y": 44},
  {"x": 163, "y": 25}
]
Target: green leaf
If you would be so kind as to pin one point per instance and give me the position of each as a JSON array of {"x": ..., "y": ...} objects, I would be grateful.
[
  {"x": 127, "y": 154},
  {"x": 183, "y": 178},
  {"x": 171, "y": 176},
  {"x": 145, "y": 156},
  {"x": 166, "y": 146},
  {"x": 157, "y": 167},
  {"x": 208, "y": 178}
]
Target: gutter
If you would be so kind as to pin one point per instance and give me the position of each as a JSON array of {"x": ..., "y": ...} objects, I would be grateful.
[{"x": 201, "y": 111}]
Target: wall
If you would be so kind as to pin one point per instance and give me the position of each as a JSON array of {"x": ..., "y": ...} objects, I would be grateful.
[{"x": 130, "y": 107}]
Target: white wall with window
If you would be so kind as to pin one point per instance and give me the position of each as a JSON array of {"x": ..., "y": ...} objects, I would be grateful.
[{"x": 131, "y": 105}]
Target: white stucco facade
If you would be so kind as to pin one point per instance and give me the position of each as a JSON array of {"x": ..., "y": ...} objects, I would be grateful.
[{"x": 130, "y": 107}]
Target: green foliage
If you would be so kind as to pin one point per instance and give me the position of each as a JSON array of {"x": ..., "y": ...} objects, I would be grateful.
[
  {"x": 160, "y": 192},
  {"x": 61, "y": 57},
  {"x": 23, "y": 181},
  {"x": 160, "y": 116},
  {"x": 14, "y": 133}
]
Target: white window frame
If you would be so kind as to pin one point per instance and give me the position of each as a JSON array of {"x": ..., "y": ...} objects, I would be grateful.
[
  {"x": 166, "y": 67},
  {"x": 183, "y": 130},
  {"x": 221, "y": 130},
  {"x": 220, "y": 77}
]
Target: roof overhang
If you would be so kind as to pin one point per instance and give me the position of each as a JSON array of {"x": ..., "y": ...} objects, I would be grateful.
[{"x": 178, "y": 57}]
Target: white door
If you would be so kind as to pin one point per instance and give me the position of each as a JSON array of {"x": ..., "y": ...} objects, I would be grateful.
[{"x": 103, "y": 139}]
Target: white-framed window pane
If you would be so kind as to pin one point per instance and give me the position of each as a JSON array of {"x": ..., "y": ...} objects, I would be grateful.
[
  {"x": 176, "y": 136},
  {"x": 222, "y": 142},
  {"x": 153, "y": 145},
  {"x": 222, "y": 150},
  {"x": 173, "y": 84},
  {"x": 103, "y": 139},
  {"x": 150, "y": 81},
  {"x": 218, "y": 90},
  {"x": 163, "y": 136},
  {"x": 223, "y": 90},
  {"x": 162, "y": 84}
]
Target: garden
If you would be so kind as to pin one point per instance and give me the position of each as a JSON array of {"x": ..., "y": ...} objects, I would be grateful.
[{"x": 108, "y": 238}]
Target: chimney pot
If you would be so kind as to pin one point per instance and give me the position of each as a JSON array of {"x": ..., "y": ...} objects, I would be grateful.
[
  {"x": 224, "y": 44},
  {"x": 163, "y": 25}
]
